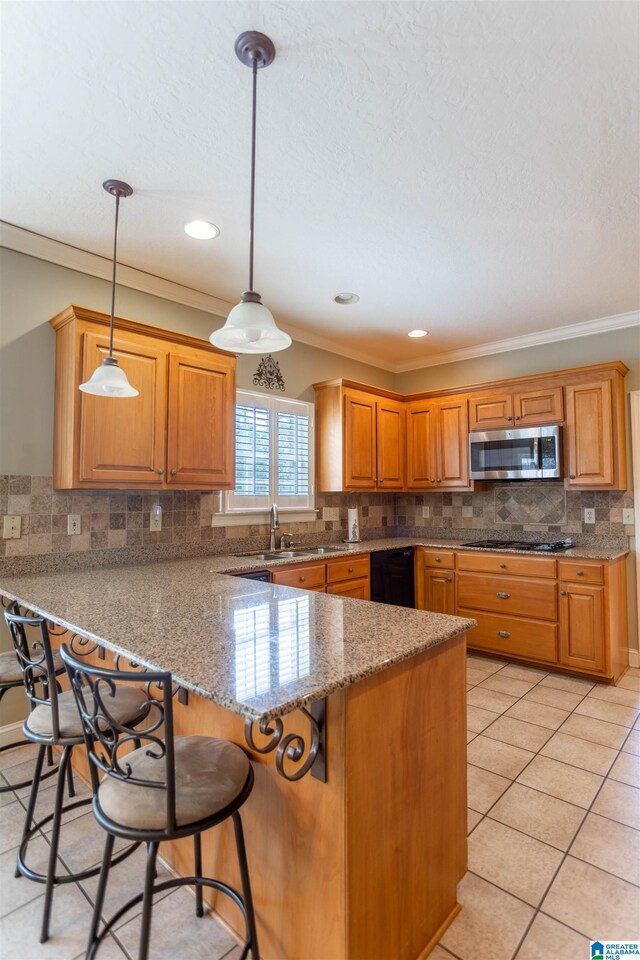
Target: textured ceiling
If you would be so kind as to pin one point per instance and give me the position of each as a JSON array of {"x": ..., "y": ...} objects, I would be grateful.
[{"x": 471, "y": 168}]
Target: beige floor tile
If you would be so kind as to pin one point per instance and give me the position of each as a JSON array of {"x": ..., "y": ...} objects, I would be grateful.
[
  {"x": 513, "y": 688},
  {"x": 490, "y": 700},
  {"x": 532, "y": 712},
  {"x": 7, "y": 796},
  {"x": 590, "y": 901},
  {"x": 109, "y": 950},
  {"x": 561, "y": 780},
  {"x": 473, "y": 819},
  {"x": 70, "y": 919},
  {"x": 513, "y": 861},
  {"x": 500, "y": 758},
  {"x": 529, "y": 736},
  {"x": 598, "y": 731},
  {"x": 20, "y": 755},
  {"x": 539, "y": 815},
  {"x": 175, "y": 930},
  {"x": 484, "y": 788},
  {"x": 626, "y": 769},
  {"x": 475, "y": 676},
  {"x": 11, "y": 825},
  {"x": 632, "y": 743},
  {"x": 611, "y": 712},
  {"x": 620, "y": 802},
  {"x": 629, "y": 683},
  {"x": 478, "y": 719},
  {"x": 125, "y": 881},
  {"x": 552, "y": 697},
  {"x": 545, "y": 932},
  {"x": 18, "y": 890},
  {"x": 624, "y": 698},
  {"x": 471, "y": 736},
  {"x": 490, "y": 924},
  {"x": 438, "y": 953},
  {"x": 82, "y": 842},
  {"x": 580, "y": 753},
  {"x": 570, "y": 684},
  {"x": 610, "y": 845},
  {"x": 485, "y": 664},
  {"x": 517, "y": 672}
]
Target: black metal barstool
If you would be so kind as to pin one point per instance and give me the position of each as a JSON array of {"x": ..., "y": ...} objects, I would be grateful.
[
  {"x": 54, "y": 721},
  {"x": 171, "y": 787}
]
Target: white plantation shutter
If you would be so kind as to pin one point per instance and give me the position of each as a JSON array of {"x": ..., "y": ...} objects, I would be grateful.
[
  {"x": 293, "y": 454},
  {"x": 253, "y": 451}
]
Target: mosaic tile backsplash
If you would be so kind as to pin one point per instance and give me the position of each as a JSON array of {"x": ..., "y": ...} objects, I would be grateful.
[{"x": 113, "y": 521}]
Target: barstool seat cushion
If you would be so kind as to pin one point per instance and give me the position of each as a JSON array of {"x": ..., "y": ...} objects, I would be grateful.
[
  {"x": 210, "y": 774},
  {"x": 127, "y": 704},
  {"x": 10, "y": 671}
]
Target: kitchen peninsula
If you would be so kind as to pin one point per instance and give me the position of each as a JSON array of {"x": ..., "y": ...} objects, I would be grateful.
[{"x": 364, "y": 864}]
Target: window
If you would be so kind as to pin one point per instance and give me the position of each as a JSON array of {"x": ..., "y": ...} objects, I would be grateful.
[{"x": 274, "y": 458}]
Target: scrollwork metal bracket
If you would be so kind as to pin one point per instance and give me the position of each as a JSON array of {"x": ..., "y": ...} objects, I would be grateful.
[{"x": 292, "y": 747}]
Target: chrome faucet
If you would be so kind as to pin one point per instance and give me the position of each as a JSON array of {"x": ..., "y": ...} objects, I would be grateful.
[{"x": 274, "y": 526}]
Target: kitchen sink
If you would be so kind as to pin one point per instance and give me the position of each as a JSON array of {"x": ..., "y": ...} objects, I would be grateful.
[
  {"x": 291, "y": 554},
  {"x": 321, "y": 550}
]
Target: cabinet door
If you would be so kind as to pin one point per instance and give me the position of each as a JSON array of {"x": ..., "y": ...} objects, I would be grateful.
[
  {"x": 422, "y": 457},
  {"x": 359, "y": 441},
  {"x": 358, "y": 589},
  {"x": 490, "y": 411},
  {"x": 453, "y": 444},
  {"x": 537, "y": 407},
  {"x": 589, "y": 434},
  {"x": 439, "y": 591},
  {"x": 201, "y": 423},
  {"x": 122, "y": 440},
  {"x": 390, "y": 444},
  {"x": 582, "y": 632}
]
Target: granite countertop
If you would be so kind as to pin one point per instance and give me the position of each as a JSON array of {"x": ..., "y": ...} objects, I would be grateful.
[{"x": 257, "y": 649}]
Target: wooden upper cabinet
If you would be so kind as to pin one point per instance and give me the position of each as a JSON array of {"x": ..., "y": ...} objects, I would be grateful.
[
  {"x": 490, "y": 411},
  {"x": 178, "y": 431},
  {"x": 536, "y": 406},
  {"x": 437, "y": 444},
  {"x": 359, "y": 441},
  {"x": 390, "y": 444},
  {"x": 590, "y": 434}
]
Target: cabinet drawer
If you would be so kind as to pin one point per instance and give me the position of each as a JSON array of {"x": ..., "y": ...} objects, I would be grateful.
[
  {"x": 508, "y": 596},
  {"x": 347, "y": 568},
  {"x": 302, "y": 575},
  {"x": 507, "y": 564},
  {"x": 441, "y": 559},
  {"x": 580, "y": 572},
  {"x": 358, "y": 589},
  {"x": 532, "y": 639}
]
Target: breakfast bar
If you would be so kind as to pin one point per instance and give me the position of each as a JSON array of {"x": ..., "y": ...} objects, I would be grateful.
[{"x": 356, "y": 851}]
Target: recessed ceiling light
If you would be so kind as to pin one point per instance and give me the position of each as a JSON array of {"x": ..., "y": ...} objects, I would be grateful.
[
  {"x": 418, "y": 333},
  {"x": 201, "y": 229},
  {"x": 344, "y": 298}
]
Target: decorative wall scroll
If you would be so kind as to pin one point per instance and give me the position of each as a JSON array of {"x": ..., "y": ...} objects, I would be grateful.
[
  {"x": 269, "y": 374},
  {"x": 292, "y": 747}
]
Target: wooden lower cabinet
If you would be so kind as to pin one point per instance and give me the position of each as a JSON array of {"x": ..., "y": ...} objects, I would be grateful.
[
  {"x": 582, "y": 630},
  {"x": 358, "y": 589},
  {"x": 435, "y": 581},
  {"x": 346, "y": 576}
]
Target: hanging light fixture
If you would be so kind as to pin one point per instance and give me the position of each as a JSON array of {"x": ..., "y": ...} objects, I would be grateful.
[
  {"x": 250, "y": 327},
  {"x": 109, "y": 379}
]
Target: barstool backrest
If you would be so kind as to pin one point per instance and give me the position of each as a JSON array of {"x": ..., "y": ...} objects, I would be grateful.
[
  {"x": 108, "y": 740},
  {"x": 30, "y": 638}
]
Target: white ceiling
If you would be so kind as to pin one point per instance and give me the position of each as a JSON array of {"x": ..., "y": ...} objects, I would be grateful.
[{"x": 471, "y": 168}]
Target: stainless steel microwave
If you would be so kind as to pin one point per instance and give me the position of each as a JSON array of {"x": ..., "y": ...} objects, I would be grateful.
[{"x": 529, "y": 454}]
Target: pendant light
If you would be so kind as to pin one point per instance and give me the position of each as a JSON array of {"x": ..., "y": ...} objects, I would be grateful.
[
  {"x": 109, "y": 379},
  {"x": 250, "y": 327}
]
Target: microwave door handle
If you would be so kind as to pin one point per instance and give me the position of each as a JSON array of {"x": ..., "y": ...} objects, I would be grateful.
[{"x": 539, "y": 455}]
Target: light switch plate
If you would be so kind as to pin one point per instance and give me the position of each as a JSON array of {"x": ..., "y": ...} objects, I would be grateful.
[
  {"x": 589, "y": 515},
  {"x": 11, "y": 528},
  {"x": 628, "y": 516},
  {"x": 331, "y": 513},
  {"x": 426, "y": 512},
  {"x": 74, "y": 524}
]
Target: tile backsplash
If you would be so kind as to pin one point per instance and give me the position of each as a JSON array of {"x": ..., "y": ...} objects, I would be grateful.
[{"x": 116, "y": 520}]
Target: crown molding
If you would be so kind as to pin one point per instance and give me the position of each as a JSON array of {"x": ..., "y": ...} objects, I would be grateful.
[
  {"x": 64, "y": 255},
  {"x": 569, "y": 332}
]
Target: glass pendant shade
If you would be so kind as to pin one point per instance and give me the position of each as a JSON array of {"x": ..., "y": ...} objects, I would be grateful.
[
  {"x": 109, "y": 380},
  {"x": 250, "y": 328}
]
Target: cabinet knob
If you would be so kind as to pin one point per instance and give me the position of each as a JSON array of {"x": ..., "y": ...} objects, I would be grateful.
[
  {"x": 509, "y": 418},
  {"x": 381, "y": 481},
  {"x": 432, "y": 480},
  {"x": 503, "y": 566},
  {"x": 301, "y": 579},
  {"x": 173, "y": 473},
  {"x": 579, "y": 573},
  {"x": 563, "y": 593},
  {"x": 437, "y": 559},
  {"x": 448, "y": 579},
  {"x": 503, "y": 596},
  {"x": 350, "y": 570},
  {"x": 438, "y": 480},
  {"x": 516, "y": 418},
  {"x": 503, "y": 633},
  {"x": 160, "y": 471},
  {"x": 572, "y": 476}
]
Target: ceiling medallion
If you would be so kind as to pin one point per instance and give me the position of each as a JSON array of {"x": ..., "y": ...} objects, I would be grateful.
[{"x": 269, "y": 374}]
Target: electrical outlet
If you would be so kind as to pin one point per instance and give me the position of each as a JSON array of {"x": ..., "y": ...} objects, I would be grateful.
[
  {"x": 74, "y": 524},
  {"x": 155, "y": 518},
  {"x": 11, "y": 528},
  {"x": 589, "y": 515},
  {"x": 331, "y": 513},
  {"x": 628, "y": 516},
  {"x": 426, "y": 512}
]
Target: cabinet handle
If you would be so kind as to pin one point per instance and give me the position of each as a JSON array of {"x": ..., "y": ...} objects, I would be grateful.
[
  {"x": 572, "y": 476},
  {"x": 350, "y": 570},
  {"x": 160, "y": 471},
  {"x": 503, "y": 566},
  {"x": 173, "y": 473},
  {"x": 563, "y": 593},
  {"x": 503, "y": 596},
  {"x": 579, "y": 573},
  {"x": 437, "y": 559},
  {"x": 301, "y": 579},
  {"x": 503, "y": 633}
]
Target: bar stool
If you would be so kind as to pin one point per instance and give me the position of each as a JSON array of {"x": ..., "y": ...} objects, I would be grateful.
[
  {"x": 54, "y": 721},
  {"x": 170, "y": 787}
]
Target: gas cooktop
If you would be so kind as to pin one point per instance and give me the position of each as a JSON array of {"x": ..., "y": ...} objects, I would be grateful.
[{"x": 548, "y": 547}]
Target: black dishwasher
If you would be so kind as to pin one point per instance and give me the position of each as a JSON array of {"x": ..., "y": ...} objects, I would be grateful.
[
  {"x": 262, "y": 575},
  {"x": 392, "y": 577}
]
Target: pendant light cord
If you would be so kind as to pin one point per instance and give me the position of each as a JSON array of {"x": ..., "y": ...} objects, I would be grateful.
[
  {"x": 253, "y": 169},
  {"x": 113, "y": 279}
]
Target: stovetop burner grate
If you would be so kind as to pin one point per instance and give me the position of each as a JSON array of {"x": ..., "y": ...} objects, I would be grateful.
[{"x": 550, "y": 546}]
